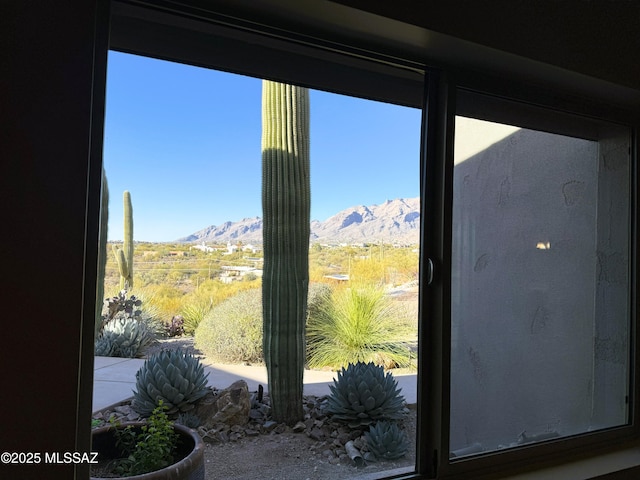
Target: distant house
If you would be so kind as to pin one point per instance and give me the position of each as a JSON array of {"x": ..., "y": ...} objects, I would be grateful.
[
  {"x": 232, "y": 273},
  {"x": 251, "y": 248},
  {"x": 231, "y": 248},
  {"x": 204, "y": 248}
]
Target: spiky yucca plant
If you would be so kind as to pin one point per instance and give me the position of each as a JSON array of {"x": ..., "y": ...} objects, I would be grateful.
[
  {"x": 362, "y": 394},
  {"x": 386, "y": 440},
  {"x": 173, "y": 376},
  {"x": 359, "y": 324}
]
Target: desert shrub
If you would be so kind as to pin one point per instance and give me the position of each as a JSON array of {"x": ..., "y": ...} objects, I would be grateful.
[
  {"x": 318, "y": 298},
  {"x": 232, "y": 331},
  {"x": 166, "y": 300},
  {"x": 358, "y": 325}
]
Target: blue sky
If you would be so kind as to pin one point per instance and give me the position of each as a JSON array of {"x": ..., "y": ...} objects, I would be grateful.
[{"x": 185, "y": 141}]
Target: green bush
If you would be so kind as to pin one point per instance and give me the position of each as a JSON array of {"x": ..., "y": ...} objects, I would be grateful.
[
  {"x": 318, "y": 299},
  {"x": 358, "y": 325},
  {"x": 232, "y": 331}
]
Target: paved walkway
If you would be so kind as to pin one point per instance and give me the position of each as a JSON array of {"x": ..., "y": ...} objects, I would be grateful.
[{"x": 115, "y": 378}]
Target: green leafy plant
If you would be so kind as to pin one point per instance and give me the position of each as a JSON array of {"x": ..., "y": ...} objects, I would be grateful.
[
  {"x": 173, "y": 377},
  {"x": 358, "y": 325},
  {"x": 232, "y": 331},
  {"x": 386, "y": 440},
  {"x": 148, "y": 450},
  {"x": 362, "y": 394}
]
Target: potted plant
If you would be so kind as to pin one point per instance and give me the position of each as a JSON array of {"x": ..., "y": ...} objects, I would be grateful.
[{"x": 151, "y": 450}]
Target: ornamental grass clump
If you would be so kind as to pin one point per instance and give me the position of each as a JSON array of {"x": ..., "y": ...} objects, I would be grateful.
[
  {"x": 359, "y": 324},
  {"x": 362, "y": 394},
  {"x": 173, "y": 377},
  {"x": 386, "y": 440}
]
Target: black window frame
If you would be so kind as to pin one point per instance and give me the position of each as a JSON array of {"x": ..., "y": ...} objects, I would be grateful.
[
  {"x": 528, "y": 111},
  {"x": 228, "y": 40}
]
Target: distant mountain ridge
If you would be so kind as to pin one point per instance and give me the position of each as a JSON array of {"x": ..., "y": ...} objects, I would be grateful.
[{"x": 394, "y": 221}]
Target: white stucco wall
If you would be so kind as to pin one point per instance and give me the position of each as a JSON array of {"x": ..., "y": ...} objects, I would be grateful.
[{"x": 527, "y": 259}]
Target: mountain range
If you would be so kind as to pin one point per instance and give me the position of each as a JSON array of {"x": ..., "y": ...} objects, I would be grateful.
[{"x": 394, "y": 221}]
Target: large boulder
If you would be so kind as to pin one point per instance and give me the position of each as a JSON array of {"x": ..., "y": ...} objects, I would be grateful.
[{"x": 230, "y": 406}]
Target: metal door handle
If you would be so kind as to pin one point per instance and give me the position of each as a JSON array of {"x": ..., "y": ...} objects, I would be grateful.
[{"x": 429, "y": 271}]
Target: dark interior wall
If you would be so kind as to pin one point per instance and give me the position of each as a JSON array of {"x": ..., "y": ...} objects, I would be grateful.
[
  {"x": 597, "y": 38},
  {"x": 51, "y": 56},
  {"x": 46, "y": 89}
]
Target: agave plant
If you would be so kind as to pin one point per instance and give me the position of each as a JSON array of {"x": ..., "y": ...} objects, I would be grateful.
[
  {"x": 173, "y": 376},
  {"x": 386, "y": 440},
  {"x": 362, "y": 394},
  {"x": 123, "y": 337}
]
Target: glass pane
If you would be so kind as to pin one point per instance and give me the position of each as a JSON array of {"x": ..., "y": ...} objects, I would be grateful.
[
  {"x": 186, "y": 143},
  {"x": 540, "y": 285}
]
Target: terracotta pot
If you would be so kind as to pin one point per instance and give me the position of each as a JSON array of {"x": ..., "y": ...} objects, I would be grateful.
[{"x": 189, "y": 459}]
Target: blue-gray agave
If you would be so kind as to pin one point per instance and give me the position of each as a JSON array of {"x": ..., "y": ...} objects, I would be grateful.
[
  {"x": 123, "y": 337},
  {"x": 362, "y": 394},
  {"x": 386, "y": 440},
  {"x": 173, "y": 376}
]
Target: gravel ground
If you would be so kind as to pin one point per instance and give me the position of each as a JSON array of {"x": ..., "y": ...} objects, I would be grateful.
[{"x": 284, "y": 455}]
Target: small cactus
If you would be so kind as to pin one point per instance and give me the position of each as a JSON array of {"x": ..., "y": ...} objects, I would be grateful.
[{"x": 386, "y": 440}]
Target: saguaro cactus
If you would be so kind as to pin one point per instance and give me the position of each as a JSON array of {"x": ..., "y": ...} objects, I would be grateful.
[
  {"x": 102, "y": 253},
  {"x": 124, "y": 255},
  {"x": 286, "y": 229}
]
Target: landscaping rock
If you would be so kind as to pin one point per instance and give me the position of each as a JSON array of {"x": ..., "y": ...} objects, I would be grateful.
[{"x": 230, "y": 406}]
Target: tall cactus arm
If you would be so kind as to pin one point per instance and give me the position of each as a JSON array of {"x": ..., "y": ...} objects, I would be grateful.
[
  {"x": 286, "y": 229},
  {"x": 128, "y": 237},
  {"x": 121, "y": 260},
  {"x": 102, "y": 253},
  {"x": 124, "y": 255}
]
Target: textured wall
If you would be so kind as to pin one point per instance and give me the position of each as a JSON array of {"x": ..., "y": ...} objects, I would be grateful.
[{"x": 529, "y": 229}]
